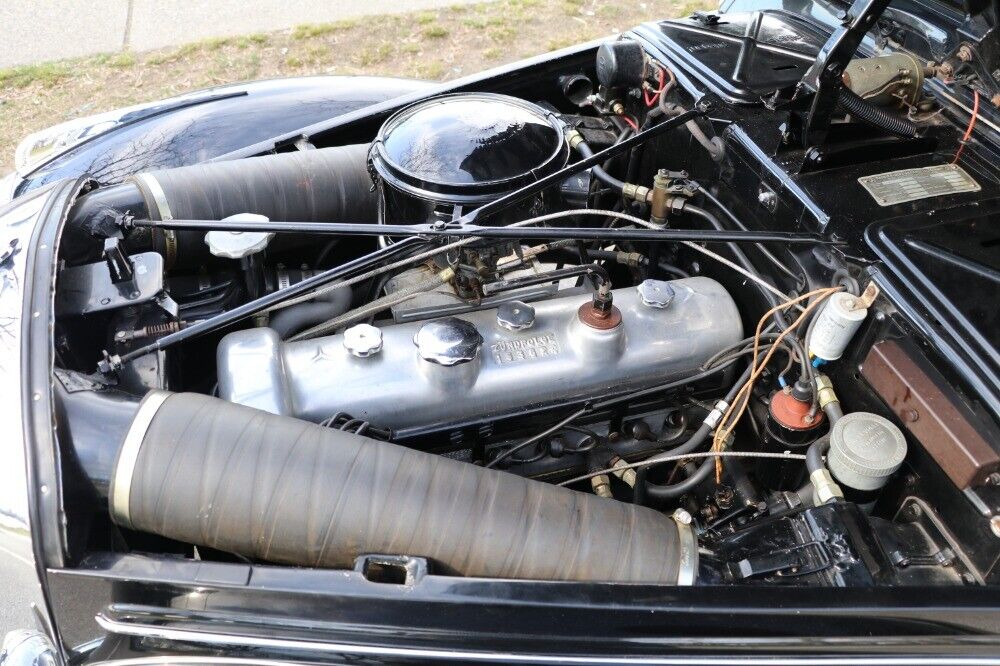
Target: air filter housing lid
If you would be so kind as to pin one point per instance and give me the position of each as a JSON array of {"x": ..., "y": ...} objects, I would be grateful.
[{"x": 468, "y": 147}]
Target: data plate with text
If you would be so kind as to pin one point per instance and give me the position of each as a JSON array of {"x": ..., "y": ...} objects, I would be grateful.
[{"x": 895, "y": 187}]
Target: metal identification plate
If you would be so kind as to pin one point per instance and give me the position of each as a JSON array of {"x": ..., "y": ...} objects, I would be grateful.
[{"x": 895, "y": 187}]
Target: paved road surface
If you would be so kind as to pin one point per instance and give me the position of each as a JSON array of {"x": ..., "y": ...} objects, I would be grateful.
[{"x": 39, "y": 30}]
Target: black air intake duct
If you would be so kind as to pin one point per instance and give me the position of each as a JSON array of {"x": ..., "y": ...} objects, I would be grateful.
[
  {"x": 325, "y": 185},
  {"x": 208, "y": 472}
]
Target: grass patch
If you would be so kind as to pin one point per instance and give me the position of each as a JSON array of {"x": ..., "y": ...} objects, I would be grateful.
[
  {"x": 313, "y": 30},
  {"x": 257, "y": 39},
  {"x": 216, "y": 43},
  {"x": 434, "y": 69},
  {"x": 373, "y": 55},
  {"x": 435, "y": 32},
  {"x": 122, "y": 60},
  {"x": 46, "y": 74}
]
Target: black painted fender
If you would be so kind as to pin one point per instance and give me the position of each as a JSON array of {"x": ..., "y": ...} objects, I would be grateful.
[{"x": 200, "y": 126}]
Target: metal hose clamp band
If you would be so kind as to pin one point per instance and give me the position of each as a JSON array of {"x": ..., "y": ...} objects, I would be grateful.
[
  {"x": 150, "y": 184},
  {"x": 128, "y": 456},
  {"x": 687, "y": 541}
]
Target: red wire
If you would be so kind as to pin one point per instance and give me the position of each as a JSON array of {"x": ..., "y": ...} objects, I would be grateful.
[
  {"x": 972, "y": 124},
  {"x": 631, "y": 123},
  {"x": 661, "y": 84}
]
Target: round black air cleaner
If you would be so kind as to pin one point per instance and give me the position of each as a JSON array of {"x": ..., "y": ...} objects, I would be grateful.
[{"x": 444, "y": 156}]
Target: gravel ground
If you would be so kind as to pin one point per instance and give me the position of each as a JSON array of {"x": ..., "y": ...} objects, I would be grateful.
[{"x": 438, "y": 45}]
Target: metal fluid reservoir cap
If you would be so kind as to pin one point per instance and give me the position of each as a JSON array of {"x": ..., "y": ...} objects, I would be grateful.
[
  {"x": 515, "y": 316},
  {"x": 468, "y": 146},
  {"x": 448, "y": 341},
  {"x": 363, "y": 340},
  {"x": 865, "y": 450},
  {"x": 655, "y": 293},
  {"x": 239, "y": 244}
]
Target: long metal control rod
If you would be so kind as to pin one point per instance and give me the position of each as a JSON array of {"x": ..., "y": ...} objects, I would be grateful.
[
  {"x": 471, "y": 230},
  {"x": 259, "y": 305},
  {"x": 542, "y": 184}
]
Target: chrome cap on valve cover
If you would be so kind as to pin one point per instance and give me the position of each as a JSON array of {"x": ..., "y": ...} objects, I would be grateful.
[{"x": 448, "y": 341}]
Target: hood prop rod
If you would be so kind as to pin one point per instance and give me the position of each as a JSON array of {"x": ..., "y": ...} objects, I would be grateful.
[{"x": 112, "y": 363}]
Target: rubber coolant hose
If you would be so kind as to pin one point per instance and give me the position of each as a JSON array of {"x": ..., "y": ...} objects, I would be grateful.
[{"x": 205, "y": 471}]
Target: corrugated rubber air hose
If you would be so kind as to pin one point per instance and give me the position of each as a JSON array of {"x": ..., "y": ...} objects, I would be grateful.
[{"x": 208, "y": 472}]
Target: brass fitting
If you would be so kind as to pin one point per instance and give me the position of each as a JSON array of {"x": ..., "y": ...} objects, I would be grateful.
[
  {"x": 601, "y": 485},
  {"x": 634, "y": 192},
  {"x": 618, "y": 108},
  {"x": 825, "y": 489},
  {"x": 627, "y": 474},
  {"x": 574, "y": 138},
  {"x": 630, "y": 259},
  {"x": 659, "y": 201},
  {"x": 824, "y": 391}
]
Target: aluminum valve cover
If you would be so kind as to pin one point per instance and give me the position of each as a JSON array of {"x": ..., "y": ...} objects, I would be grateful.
[{"x": 557, "y": 359}]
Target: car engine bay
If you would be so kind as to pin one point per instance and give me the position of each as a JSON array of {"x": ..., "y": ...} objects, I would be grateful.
[{"x": 635, "y": 318}]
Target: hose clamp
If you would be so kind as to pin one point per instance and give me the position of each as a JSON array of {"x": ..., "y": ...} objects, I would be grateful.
[
  {"x": 687, "y": 564},
  {"x": 128, "y": 456},
  {"x": 150, "y": 184}
]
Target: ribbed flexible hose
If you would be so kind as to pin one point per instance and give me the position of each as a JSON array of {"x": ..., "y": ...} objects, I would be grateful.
[
  {"x": 867, "y": 112},
  {"x": 205, "y": 471},
  {"x": 330, "y": 184}
]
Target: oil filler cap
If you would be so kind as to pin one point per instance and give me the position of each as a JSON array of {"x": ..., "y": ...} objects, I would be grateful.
[
  {"x": 448, "y": 341},
  {"x": 363, "y": 340},
  {"x": 515, "y": 316},
  {"x": 865, "y": 450},
  {"x": 655, "y": 293}
]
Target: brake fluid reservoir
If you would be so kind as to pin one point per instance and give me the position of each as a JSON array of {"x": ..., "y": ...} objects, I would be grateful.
[{"x": 837, "y": 322}]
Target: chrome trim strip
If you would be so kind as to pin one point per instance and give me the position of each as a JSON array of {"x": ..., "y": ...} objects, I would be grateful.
[
  {"x": 159, "y": 196},
  {"x": 240, "y": 641},
  {"x": 129, "y": 455}
]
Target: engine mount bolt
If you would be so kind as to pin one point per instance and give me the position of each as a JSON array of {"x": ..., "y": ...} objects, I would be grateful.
[{"x": 363, "y": 340}]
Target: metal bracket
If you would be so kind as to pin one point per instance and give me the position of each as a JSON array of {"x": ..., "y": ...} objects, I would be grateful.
[
  {"x": 823, "y": 79},
  {"x": 117, "y": 282}
]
